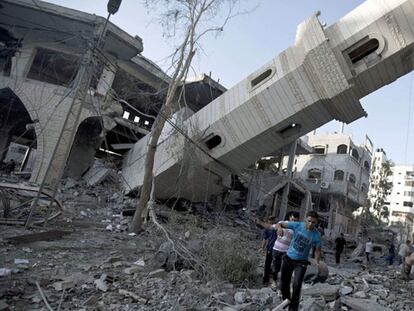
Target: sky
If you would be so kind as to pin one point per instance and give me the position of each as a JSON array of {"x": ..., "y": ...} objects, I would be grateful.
[{"x": 251, "y": 40}]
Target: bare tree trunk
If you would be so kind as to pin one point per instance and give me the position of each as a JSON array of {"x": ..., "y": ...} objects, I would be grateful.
[
  {"x": 190, "y": 16},
  {"x": 136, "y": 224}
]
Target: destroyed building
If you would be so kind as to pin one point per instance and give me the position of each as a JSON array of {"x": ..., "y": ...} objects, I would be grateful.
[
  {"x": 337, "y": 174},
  {"x": 42, "y": 48},
  {"x": 319, "y": 78}
]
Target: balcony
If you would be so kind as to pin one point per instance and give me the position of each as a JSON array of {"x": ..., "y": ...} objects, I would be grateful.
[{"x": 338, "y": 187}]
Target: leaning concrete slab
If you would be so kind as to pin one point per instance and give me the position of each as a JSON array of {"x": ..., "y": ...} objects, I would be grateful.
[{"x": 321, "y": 77}]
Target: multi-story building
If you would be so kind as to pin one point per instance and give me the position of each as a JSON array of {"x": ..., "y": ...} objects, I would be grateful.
[
  {"x": 337, "y": 174},
  {"x": 401, "y": 200},
  {"x": 379, "y": 159},
  {"x": 42, "y": 69}
]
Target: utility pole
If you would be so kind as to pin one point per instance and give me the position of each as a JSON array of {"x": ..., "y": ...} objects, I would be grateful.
[{"x": 70, "y": 124}]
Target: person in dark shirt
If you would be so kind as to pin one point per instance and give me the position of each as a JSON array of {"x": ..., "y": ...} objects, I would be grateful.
[
  {"x": 391, "y": 254},
  {"x": 269, "y": 238},
  {"x": 340, "y": 243}
]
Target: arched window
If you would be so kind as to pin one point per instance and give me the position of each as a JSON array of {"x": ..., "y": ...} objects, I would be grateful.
[
  {"x": 342, "y": 149},
  {"x": 213, "y": 141},
  {"x": 363, "y": 48},
  {"x": 366, "y": 165},
  {"x": 339, "y": 175},
  {"x": 352, "y": 179},
  {"x": 355, "y": 154},
  {"x": 315, "y": 173}
]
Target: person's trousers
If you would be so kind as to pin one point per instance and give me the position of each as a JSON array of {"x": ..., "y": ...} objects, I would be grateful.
[
  {"x": 338, "y": 256},
  {"x": 390, "y": 259},
  {"x": 277, "y": 263},
  {"x": 288, "y": 267},
  {"x": 267, "y": 267},
  {"x": 367, "y": 255}
]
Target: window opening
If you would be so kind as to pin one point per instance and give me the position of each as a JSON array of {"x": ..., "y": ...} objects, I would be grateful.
[
  {"x": 213, "y": 142},
  {"x": 339, "y": 175},
  {"x": 261, "y": 78},
  {"x": 342, "y": 149},
  {"x": 363, "y": 50},
  {"x": 290, "y": 130},
  {"x": 315, "y": 174},
  {"x": 126, "y": 115}
]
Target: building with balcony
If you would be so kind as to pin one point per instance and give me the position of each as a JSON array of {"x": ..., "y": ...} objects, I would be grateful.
[
  {"x": 337, "y": 174},
  {"x": 42, "y": 58},
  {"x": 401, "y": 200}
]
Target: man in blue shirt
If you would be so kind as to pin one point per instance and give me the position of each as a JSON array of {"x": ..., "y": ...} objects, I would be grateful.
[{"x": 305, "y": 236}]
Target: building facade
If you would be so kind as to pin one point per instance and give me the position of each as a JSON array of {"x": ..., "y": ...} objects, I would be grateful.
[
  {"x": 401, "y": 201},
  {"x": 337, "y": 174}
]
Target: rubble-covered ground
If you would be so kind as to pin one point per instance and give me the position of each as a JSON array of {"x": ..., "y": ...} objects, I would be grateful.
[{"x": 209, "y": 261}]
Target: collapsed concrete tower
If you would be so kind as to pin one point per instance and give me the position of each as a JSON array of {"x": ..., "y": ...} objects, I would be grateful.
[{"x": 320, "y": 78}]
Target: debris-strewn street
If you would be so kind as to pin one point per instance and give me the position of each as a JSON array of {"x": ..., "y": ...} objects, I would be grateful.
[
  {"x": 97, "y": 265},
  {"x": 131, "y": 181}
]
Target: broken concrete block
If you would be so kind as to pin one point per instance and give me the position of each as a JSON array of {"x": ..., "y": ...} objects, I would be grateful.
[
  {"x": 313, "y": 304},
  {"x": 346, "y": 290},
  {"x": 134, "y": 297},
  {"x": 363, "y": 304},
  {"x": 101, "y": 285},
  {"x": 240, "y": 297},
  {"x": 132, "y": 270},
  {"x": 159, "y": 273},
  {"x": 5, "y": 272},
  {"x": 18, "y": 261},
  {"x": 316, "y": 273},
  {"x": 62, "y": 285},
  {"x": 140, "y": 262},
  {"x": 91, "y": 301},
  {"x": 360, "y": 294},
  {"x": 329, "y": 292}
]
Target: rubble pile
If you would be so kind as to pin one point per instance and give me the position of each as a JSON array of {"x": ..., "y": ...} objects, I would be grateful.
[{"x": 93, "y": 263}]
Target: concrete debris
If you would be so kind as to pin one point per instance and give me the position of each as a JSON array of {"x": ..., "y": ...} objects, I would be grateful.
[
  {"x": 101, "y": 269},
  {"x": 99, "y": 173},
  {"x": 363, "y": 304},
  {"x": 327, "y": 291},
  {"x": 5, "y": 271},
  {"x": 42, "y": 236}
]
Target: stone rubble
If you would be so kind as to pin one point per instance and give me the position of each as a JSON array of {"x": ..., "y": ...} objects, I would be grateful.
[{"x": 94, "y": 268}]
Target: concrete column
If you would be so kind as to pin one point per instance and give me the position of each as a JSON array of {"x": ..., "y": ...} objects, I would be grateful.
[{"x": 22, "y": 62}]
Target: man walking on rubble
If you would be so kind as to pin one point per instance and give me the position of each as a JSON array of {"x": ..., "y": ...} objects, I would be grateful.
[
  {"x": 305, "y": 235},
  {"x": 368, "y": 249},
  {"x": 391, "y": 254},
  {"x": 403, "y": 251},
  {"x": 269, "y": 238},
  {"x": 340, "y": 244},
  {"x": 279, "y": 247}
]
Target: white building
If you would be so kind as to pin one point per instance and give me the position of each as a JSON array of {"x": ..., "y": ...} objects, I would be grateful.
[
  {"x": 379, "y": 158},
  {"x": 337, "y": 174},
  {"x": 401, "y": 200}
]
